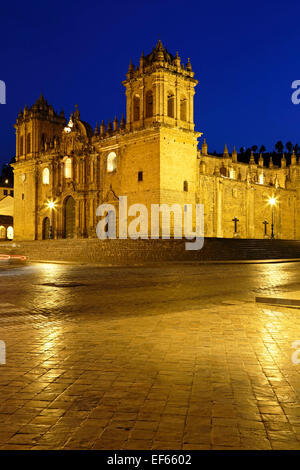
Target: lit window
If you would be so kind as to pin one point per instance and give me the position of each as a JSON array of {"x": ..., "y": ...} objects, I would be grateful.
[
  {"x": 46, "y": 176},
  {"x": 68, "y": 167},
  {"x": 111, "y": 162},
  {"x": 232, "y": 173},
  {"x": 2, "y": 232},
  {"x": 43, "y": 141},
  {"x": 10, "y": 233},
  {"x": 261, "y": 179},
  {"x": 223, "y": 171}
]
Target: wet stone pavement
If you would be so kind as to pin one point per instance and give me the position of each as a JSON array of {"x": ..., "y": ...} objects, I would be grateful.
[{"x": 165, "y": 357}]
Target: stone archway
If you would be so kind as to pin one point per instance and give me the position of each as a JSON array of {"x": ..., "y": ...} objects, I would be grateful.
[
  {"x": 46, "y": 228},
  {"x": 69, "y": 217}
]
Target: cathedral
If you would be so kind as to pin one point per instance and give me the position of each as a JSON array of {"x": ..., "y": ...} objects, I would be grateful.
[{"x": 64, "y": 169}]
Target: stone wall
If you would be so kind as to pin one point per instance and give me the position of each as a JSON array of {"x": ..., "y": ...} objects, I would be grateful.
[{"x": 120, "y": 252}]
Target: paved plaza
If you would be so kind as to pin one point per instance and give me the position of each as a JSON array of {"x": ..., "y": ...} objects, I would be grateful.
[{"x": 177, "y": 356}]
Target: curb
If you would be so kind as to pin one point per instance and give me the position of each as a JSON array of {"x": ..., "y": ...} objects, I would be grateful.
[
  {"x": 278, "y": 301},
  {"x": 83, "y": 263}
]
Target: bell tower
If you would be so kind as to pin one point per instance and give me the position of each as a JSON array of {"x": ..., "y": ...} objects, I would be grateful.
[
  {"x": 36, "y": 129},
  {"x": 160, "y": 89}
]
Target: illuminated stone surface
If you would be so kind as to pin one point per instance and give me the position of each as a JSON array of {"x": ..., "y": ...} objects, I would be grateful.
[{"x": 138, "y": 358}]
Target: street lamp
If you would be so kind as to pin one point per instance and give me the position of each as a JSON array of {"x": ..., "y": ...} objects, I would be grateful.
[
  {"x": 51, "y": 206},
  {"x": 272, "y": 202}
]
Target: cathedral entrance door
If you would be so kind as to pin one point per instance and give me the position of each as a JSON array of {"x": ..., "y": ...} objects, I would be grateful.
[{"x": 69, "y": 217}]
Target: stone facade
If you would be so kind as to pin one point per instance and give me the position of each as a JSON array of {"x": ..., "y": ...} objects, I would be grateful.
[
  {"x": 153, "y": 157},
  {"x": 6, "y": 190}
]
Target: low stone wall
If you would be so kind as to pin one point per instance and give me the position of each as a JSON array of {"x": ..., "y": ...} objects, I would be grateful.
[{"x": 129, "y": 252}]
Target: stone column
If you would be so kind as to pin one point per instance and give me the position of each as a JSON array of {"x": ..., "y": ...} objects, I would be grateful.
[
  {"x": 219, "y": 209},
  {"x": 250, "y": 222},
  {"x": 142, "y": 103},
  {"x": 128, "y": 107},
  {"x": 77, "y": 219},
  {"x": 155, "y": 91},
  {"x": 176, "y": 104},
  {"x": 60, "y": 221},
  {"x": 162, "y": 96},
  {"x": 17, "y": 142},
  {"x": 191, "y": 109},
  {"x": 62, "y": 174},
  {"x": 92, "y": 216},
  {"x": 83, "y": 171},
  {"x": 278, "y": 220}
]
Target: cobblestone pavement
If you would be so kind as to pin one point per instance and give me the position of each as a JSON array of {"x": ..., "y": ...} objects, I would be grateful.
[{"x": 168, "y": 357}]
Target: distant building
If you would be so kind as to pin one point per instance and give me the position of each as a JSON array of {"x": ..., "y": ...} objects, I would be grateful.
[
  {"x": 6, "y": 206},
  {"x": 6, "y": 190},
  {"x": 153, "y": 157}
]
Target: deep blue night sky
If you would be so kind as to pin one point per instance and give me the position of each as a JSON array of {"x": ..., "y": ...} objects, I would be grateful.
[{"x": 245, "y": 56}]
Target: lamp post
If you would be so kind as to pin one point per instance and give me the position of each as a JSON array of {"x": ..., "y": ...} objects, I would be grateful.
[
  {"x": 272, "y": 202},
  {"x": 51, "y": 205},
  {"x": 265, "y": 222}
]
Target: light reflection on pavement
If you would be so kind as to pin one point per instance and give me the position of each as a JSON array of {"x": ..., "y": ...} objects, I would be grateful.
[{"x": 174, "y": 356}]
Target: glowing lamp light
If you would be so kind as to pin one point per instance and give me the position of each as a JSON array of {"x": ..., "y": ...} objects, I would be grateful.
[
  {"x": 68, "y": 128},
  {"x": 51, "y": 204},
  {"x": 272, "y": 201}
]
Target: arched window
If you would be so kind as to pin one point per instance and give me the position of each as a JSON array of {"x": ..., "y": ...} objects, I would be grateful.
[
  {"x": 21, "y": 151},
  {"x": 46, "y": 176},
  {"x": 183, "y": 109},
  {"x": 68, "y": 167},
  {"x": 185, "y": 186},
  {"x": 111, "y": 162},
  {"x": 136, "y": 108},
  {"x": 261, "y": 178},
  {"x": 149, "y": 104},
  {"x": 10, "y": 233},
  {"x": 2, "y": 232},
  {"x": 43, "y": 141},
  {"x": 223, "y": 171},
  {"x": 171, "y": 105},
  {"x": 28, "y": 143}
]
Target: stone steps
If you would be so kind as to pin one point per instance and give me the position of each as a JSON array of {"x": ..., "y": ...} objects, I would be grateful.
[{"x": 140, "y": 251}]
